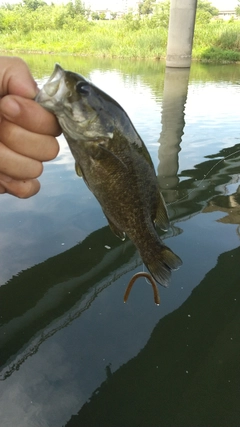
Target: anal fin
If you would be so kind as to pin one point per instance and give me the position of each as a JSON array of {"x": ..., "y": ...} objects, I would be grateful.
[
  {"x": 119, "y": 233},
  {"x": 162, "y": 219}
]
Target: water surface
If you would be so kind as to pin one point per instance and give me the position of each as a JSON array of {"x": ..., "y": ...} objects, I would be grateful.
[{"x": 72, "y": 353}]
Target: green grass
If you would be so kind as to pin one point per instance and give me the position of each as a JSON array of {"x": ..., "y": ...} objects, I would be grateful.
[
  {"x": 216, "y": 41},
  {"x": 98, "y": 41}
]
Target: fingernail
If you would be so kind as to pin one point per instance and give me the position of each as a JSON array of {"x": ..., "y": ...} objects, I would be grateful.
[{"x": 10, "y": 108}]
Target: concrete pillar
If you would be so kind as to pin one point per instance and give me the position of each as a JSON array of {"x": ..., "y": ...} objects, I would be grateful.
[
  {"x": 173, "y": 112},
  {"x": 180, "y": 33}
]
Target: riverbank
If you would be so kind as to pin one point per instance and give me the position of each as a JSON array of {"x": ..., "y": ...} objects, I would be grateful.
[{"x": 216, "y": 41}]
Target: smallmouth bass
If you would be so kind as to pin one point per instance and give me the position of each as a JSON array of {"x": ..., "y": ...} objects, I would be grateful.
[{"x": 114, "y": 163}]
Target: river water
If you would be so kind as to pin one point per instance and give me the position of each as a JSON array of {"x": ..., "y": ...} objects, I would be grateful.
[{"x": 71, "y": 352}]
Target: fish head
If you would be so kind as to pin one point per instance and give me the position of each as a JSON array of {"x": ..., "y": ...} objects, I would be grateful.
[{"x": 82, "y": 111}]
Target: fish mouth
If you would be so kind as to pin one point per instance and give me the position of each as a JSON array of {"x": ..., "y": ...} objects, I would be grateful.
[
  {"x": 54, "y": 90},
  {"x": 53, "y": 83}
]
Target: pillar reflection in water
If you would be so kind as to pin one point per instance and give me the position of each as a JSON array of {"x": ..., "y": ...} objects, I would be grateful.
[{"x": 173, "y": 107}]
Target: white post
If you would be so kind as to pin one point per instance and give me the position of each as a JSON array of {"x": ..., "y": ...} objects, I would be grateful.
[{"x": 180, "y": 33}]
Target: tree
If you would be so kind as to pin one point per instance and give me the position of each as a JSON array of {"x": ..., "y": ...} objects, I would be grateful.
[
  {"x": 79, "y": 7},
  {"x": 205, "y": 12},
  {"x": 75, "y": 7},
  {"x": 146, "y": 7},
  {"x": 94, "y": 16},
  {"x": 237, "y": 10},
  {"x": 34, "y": 4},
  {"x": 161, "y": 13},
  {"x": 7, "y": 6},
  {"x": 113, "y": 15},
  {"x": 206, "y": 6},
  {"x": 102, "y": 16}
]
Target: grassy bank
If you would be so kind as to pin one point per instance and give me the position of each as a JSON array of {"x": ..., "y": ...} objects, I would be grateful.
[
  {"x": 52, "y": 30},
  {"x": 106, "y": 38},
  {"x": 217, "y": 41}
]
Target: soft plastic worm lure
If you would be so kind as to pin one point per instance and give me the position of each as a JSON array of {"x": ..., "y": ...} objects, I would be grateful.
[{"x": 151, "y": 280}]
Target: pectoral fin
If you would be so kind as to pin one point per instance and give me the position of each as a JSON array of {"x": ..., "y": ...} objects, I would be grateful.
[
  {"x": 78, "y": 170},
  {"x": 80, "y": 173},
  {"x": 110, "y": 153}
]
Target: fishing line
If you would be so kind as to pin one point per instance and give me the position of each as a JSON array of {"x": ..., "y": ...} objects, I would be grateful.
[
  {"x": 144, "y": 271},
  {"x": 210, "y": 170}
]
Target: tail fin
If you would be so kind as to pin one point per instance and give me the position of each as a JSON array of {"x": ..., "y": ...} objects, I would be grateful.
[{"x": 162, "y": 261}]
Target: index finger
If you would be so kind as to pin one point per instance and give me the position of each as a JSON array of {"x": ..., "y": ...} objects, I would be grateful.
[
  {"x": 16, "y": 78},
  {"x": 29, "y": 115}
]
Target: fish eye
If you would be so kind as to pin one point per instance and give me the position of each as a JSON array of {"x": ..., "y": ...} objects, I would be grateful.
[{"x": 82, "y": 88}]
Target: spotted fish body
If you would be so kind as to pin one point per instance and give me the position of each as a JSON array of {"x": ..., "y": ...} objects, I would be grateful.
[{"x": 115, "y": 164}]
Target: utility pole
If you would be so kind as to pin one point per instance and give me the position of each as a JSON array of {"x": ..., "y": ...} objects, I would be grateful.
[{"x": 180, "y": 33}]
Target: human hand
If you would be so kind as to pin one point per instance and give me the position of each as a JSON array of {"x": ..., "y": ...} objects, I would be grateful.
[{"x": 27, "y": 131}]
